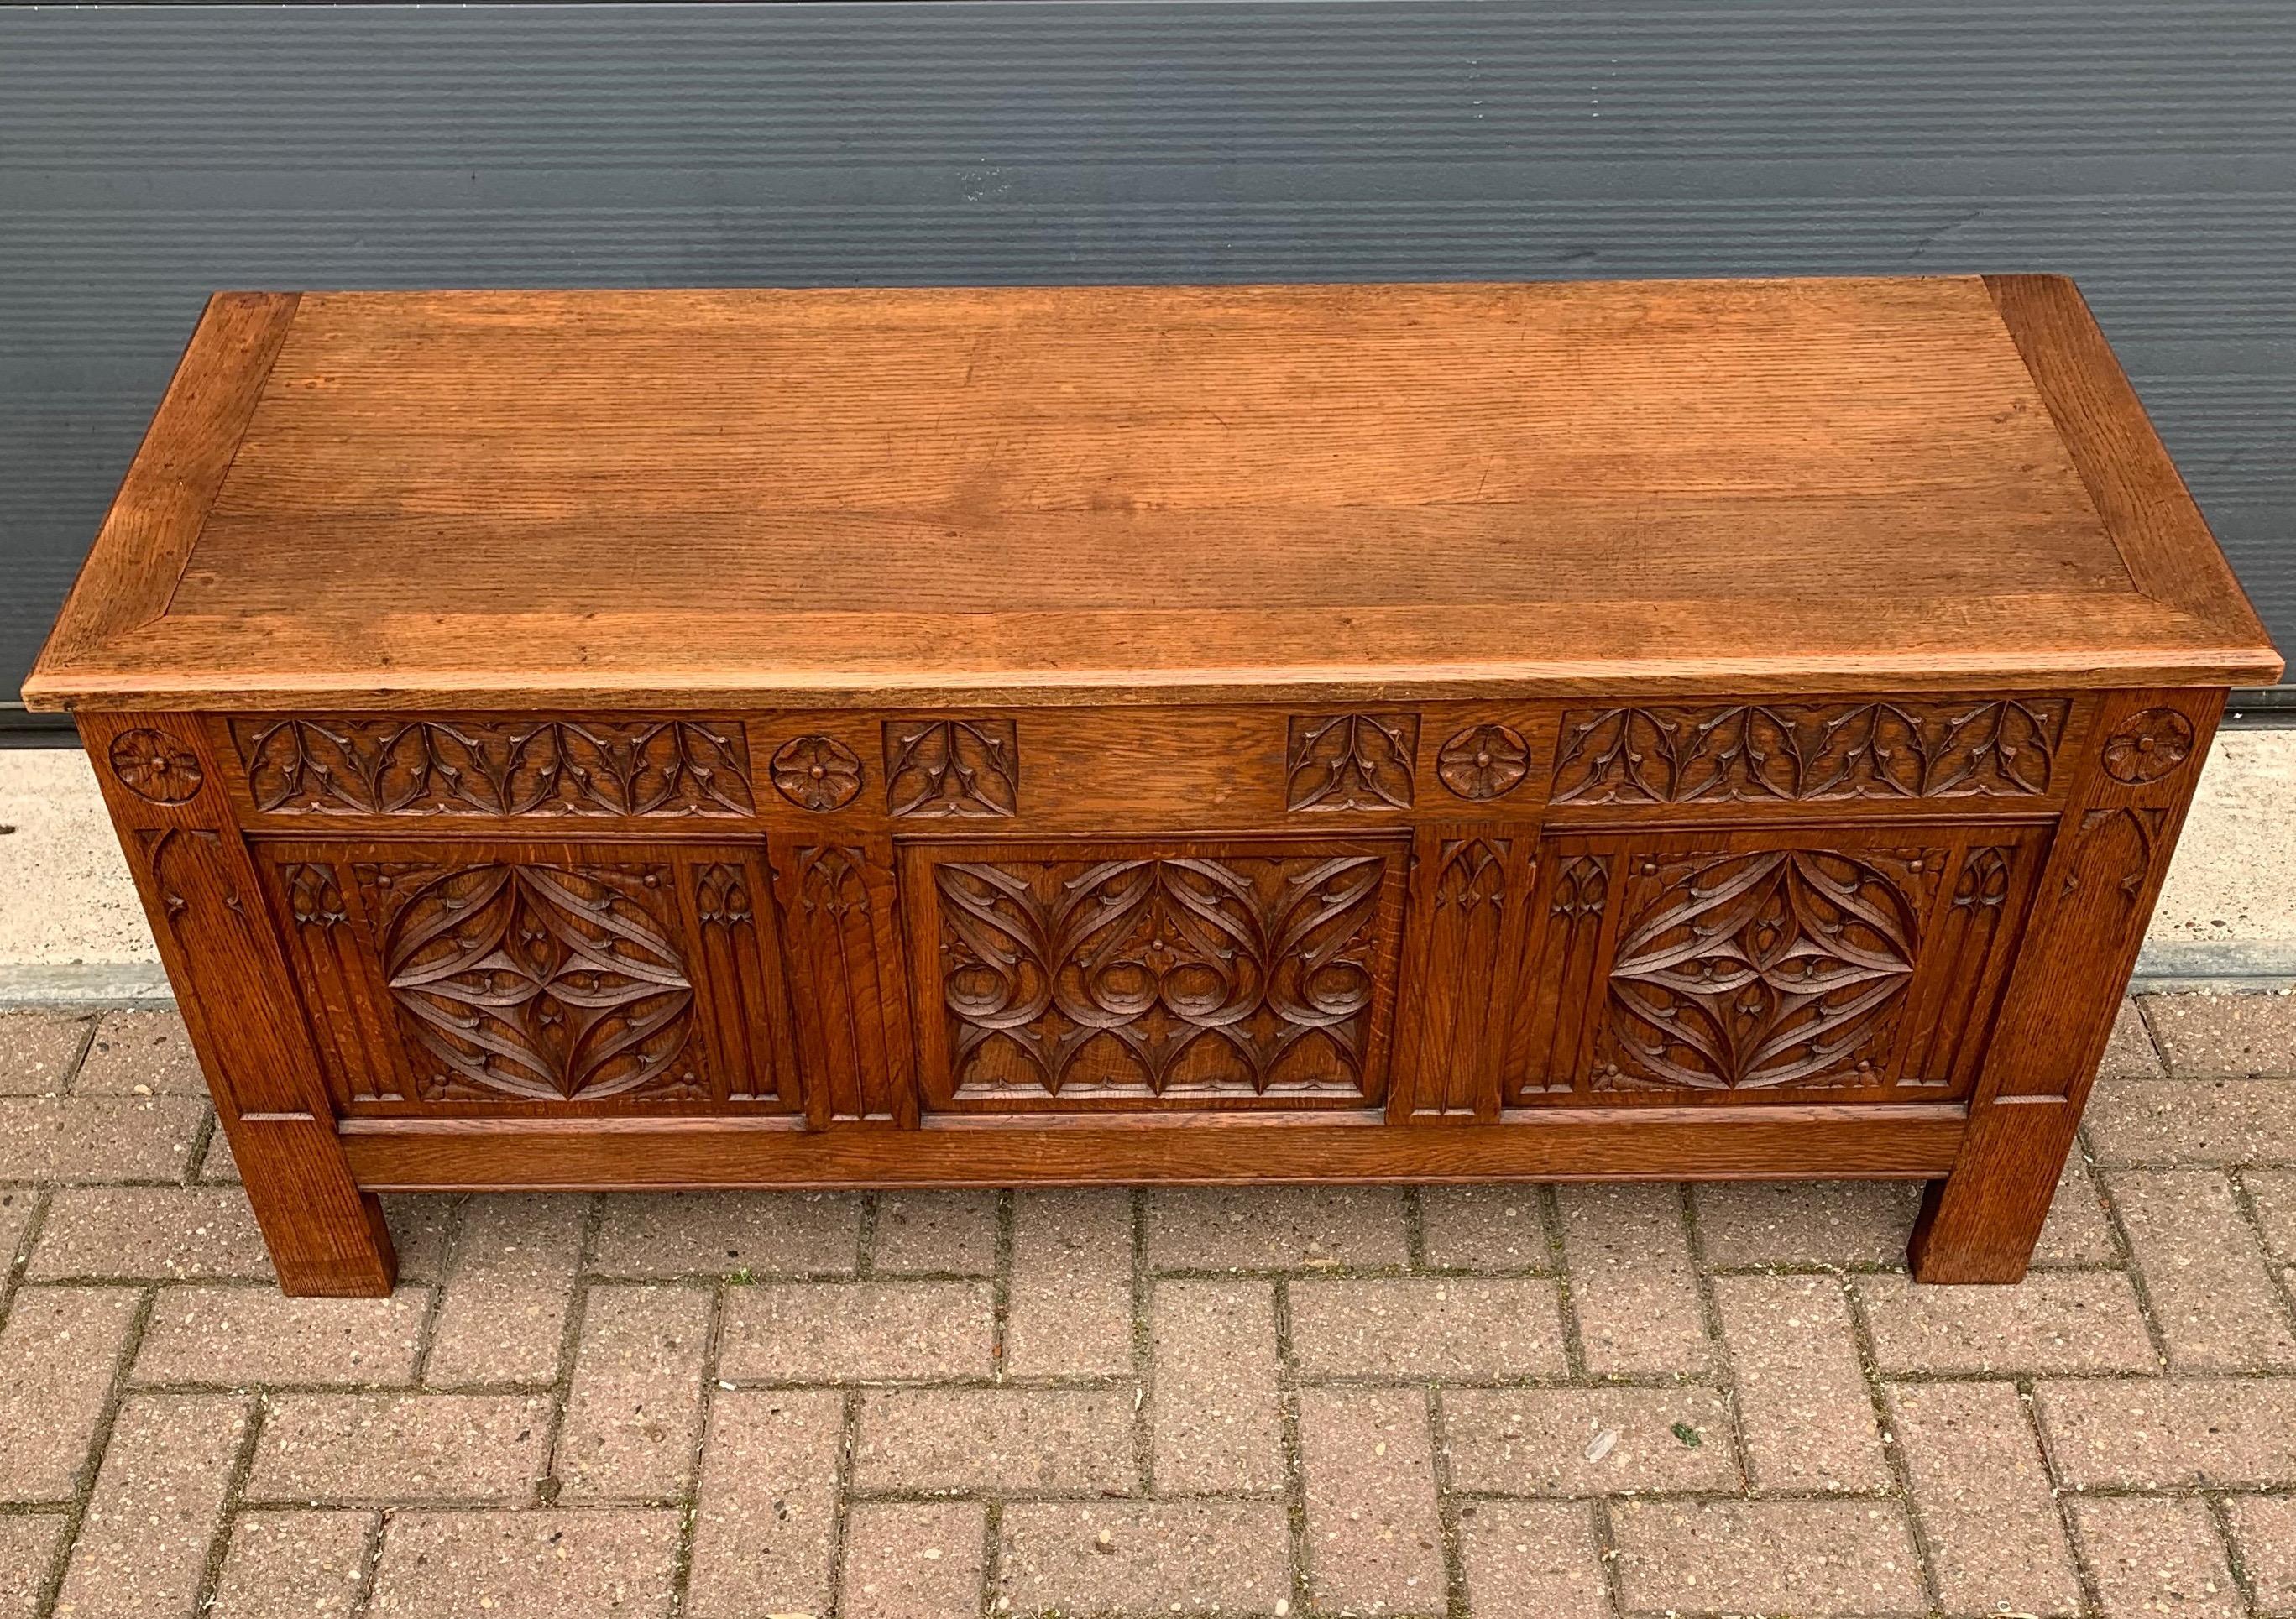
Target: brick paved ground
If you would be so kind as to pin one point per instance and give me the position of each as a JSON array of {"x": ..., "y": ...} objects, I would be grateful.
[{"x": 1516, "y": 1401}]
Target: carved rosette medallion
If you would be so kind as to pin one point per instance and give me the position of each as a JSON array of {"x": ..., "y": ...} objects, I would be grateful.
[
  {"x": 1483, "y": 762},
  {"x": 1759, "y": 970},
  {"x": 951, "y": 768},
  {"x": 816, "y": 773},
  {"x": 154, "y": 766},
  {"x": 1351, "y": 761},
  {"x": 1241, "y": 975},
  {"x": 2148, "y": 746},
  {"x": 537, "y": 983}
]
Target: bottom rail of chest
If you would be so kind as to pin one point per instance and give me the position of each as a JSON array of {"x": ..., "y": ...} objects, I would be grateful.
[{"x": 1913, "y": 1142}]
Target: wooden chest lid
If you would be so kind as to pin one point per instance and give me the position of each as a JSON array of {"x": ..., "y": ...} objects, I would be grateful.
[{"x": 1121, "y": 494}]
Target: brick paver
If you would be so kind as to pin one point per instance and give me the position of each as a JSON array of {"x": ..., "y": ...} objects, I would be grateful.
[
  {"x": 1631, "y": 1280},
  {"x": 2205, "y": 1270},
  {"x": 1981, "y": 1492},
  {"x": 871, "y": 1331},
  {"x": 2166, "y": 1435},
  {"x": 1493, "y": 1402},
  {"x": 1374, "y": 1532},
  {"x": 151, "y": 1233},
  {"x": 1426, "y": 1327},
  {"x": 384, "y": 1447},
  {"x": 2157, "y": 1557},
  {"x": 1768, "y": 1556},
  {"x": 2264, "y": 1531},
  {"x": 1484, "y": 1228},
  {"x": 1189, "y": 1557},
  {"x": 945, "y": 1233},
  {"x": 233, "y": 1336},
  {"x": 2208, "y": 1035},
  {"x": 1532, "y": 1560},
  {"x": 1217, "y": 1418},
  {"x": 27, "y": 1551},
  {"x": 302, "y": 1563},
  {"x": 1220, "y": 1228},
  {"x": 2069, "y": 1321},
  {"x": 764, "y": 1536},
  {"x": 139, "y": 1054},
  {"x": 142, "y": 1546},
  {"x": 59, "y": 1358},
  {"x": 1803, "y": 1401},
  {"x": 654, "y": 1235},
  {"x": 1071, "y": 1296},
  {"x": 996, "y": 1441},
  {"x": 571, "y": 1565},
  {"x": 37, "y": 1051},
  {"x": 914, "y": 1559},
  {"x": 634, "y": 1404},
  {"x": 1590, "y": 1440},
  {"x": 509, "y": 1285}
]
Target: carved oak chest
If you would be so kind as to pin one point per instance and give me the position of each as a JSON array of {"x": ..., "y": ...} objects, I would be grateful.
[{"x": 875, "y": 738}]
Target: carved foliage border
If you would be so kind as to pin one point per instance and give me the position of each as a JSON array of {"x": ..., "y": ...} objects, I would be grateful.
[
  {"x": 1810, "y": 752},
  {"x": 1351, "y": 761},
  {"x": 523, "y": 767}
]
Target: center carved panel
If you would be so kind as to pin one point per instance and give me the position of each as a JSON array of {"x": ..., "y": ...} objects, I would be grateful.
[
  {"x": 1781, "y": 968},
  {"x": 536, "y": 982},
  {"x": 1236, "y": 976}
]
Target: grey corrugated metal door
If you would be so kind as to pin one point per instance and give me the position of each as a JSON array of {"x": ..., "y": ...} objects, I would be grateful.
[{"x": 150, "y": 154}]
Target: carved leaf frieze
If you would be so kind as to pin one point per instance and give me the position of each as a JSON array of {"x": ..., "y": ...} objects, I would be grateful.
[
  {"x": 2123, "y": 839},
  {"x": 1810, "y": 752},
  {"x": 1351, "y": 761},
  {"x": 951, "y": 768},
  {"x": 420, "y": 768}
]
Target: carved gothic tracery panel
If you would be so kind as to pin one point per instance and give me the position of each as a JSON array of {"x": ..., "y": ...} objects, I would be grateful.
[
  {"x": 1810, "y": 752},
  {"x": 1351, "y": 761},
  {"x": 537, "y": 982},
  {"x": 1241, "y": 976},
  {"x": 494, "y": 767},
  {"x": 1777, "y": 967}
]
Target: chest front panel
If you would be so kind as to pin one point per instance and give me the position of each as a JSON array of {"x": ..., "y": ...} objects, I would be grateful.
[{"x": 1448, "y": 909}]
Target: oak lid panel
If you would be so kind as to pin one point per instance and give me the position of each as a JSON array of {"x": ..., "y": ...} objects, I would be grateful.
[{"x": 1094, "y": 495}]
